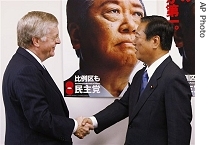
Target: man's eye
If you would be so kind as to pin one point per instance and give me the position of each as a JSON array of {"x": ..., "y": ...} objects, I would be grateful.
[
  {"x": 115, "y": 11},
  {"x": 139, "y": 14}
]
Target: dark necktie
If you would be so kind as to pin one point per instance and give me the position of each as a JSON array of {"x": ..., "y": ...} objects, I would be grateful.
[{"x": 144, "y": 81}]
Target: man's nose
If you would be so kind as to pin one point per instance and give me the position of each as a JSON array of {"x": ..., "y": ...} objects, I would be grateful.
[{"x": 128, "y": 24}]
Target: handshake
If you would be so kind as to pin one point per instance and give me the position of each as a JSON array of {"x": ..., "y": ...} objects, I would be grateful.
[{"x": 84, "y": 127}]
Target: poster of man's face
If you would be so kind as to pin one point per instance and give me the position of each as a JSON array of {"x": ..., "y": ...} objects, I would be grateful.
[{"x": 99, "y": 58}]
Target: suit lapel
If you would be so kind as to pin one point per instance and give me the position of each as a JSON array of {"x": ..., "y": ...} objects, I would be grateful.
[
  {"x": 151, "y": 86},
  {"x": 24, "y": 53},
  {"x": 47, "y": 76},
  {"x": 50, "y": 81}
]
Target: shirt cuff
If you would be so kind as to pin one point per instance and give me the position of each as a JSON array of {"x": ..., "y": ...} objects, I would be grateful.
[
  {"x": 95, "y": 122},
  {"x": 75, "y": 126}
]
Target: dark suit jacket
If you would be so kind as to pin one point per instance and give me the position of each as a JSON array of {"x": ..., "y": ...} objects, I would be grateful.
[
  {"x": 163, "y": 114},
  {"x": 36, "y": 113}
]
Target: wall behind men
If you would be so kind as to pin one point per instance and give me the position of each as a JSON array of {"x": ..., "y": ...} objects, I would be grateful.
[{"x": 11, "y": 12}]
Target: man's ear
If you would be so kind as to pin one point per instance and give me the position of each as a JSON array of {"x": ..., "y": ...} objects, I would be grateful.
[
  {"x": 156, "y": 41},
  {"x": 74, "y": 33},
  {"x": 35, "y": 41}
]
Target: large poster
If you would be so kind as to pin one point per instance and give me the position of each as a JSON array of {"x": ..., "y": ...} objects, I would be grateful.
[{"x": 98, "y": 57}]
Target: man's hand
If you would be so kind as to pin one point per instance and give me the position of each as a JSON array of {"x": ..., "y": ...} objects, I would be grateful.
[
  {"x": 83, "y": 128},
  {"x": 87, "y": 121}
]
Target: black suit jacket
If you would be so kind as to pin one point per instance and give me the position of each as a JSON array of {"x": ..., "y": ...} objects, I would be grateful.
[
  {"x": 36, "y": 113},
  {"x": 161, "y": 116}
]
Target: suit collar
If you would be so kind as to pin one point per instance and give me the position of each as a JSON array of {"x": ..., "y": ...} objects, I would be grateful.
[
  {"x": 34, "y": 55},
  {"x": 31, "y": 58},
  {"x": 45, "y": 73},
  {"x": 154, "y": 65}
]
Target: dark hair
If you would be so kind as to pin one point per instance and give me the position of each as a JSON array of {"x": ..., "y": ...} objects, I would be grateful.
[{"x": 158, "y": 25}]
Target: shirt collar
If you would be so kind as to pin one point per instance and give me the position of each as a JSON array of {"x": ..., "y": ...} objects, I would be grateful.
[
  {"x": 153, "y": 67},
  {"x": 29, "y": 51}
]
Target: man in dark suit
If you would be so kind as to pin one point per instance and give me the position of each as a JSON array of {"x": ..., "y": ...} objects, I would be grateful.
[
  {"x": 161, "y": 113},
  {"x": 36, "y": 113}
]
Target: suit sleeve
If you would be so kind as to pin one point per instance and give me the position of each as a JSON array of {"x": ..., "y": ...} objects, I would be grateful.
[
  {"x": 113, "y": 113},
  {"x": 178, "y": 111},
  {"x": 118, "y": 110},
  {"x": 32, "y": 97}
]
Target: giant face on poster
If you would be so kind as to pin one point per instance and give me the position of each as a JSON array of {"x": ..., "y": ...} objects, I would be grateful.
[{"x": 99, "y": 57}]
